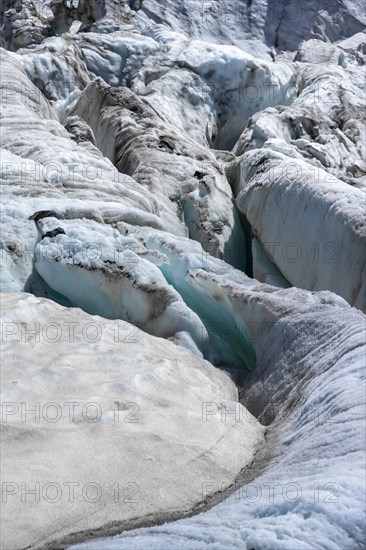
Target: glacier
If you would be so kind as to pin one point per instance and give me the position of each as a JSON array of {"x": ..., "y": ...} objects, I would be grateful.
[
  {"x": 144, "y": 413},
  {"x": 183, "y": 274}
]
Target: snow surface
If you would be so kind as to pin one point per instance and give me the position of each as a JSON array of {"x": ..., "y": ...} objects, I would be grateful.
[
  {"x": 310, "y": 353},
  {"x": 155, "y": 157},
  {"x": 135, "y": 420},
  {"x": 313, "y": 204},
  {"x": 304, "y": 489}
]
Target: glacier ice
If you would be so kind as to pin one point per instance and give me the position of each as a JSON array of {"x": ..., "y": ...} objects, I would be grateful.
[
  {"x": 193, "y": 172},
  {"x": 138, "y": 427},
  {"x": 313, "y": 204},
  {"x": 303, "y": 489},
  {"x": 193, "y": 193}
]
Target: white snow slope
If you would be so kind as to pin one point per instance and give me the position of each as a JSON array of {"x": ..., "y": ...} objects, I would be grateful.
[
  {"x": 111, "y": 441},
  {"x": 305, "y": 488},
  {"x": 162, "y": 164}
]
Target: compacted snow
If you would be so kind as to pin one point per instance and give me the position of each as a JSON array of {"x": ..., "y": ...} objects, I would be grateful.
[
  {"x": 183, "y": 255},
  {"x": 117, "y": 420},
  {"x": 305, "y": 487}
]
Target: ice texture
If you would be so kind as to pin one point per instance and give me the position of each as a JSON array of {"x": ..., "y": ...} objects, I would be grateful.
[
  {"x": 134, "y": 421},
  {"x": 304, "y": 488},
  {"x": 191, "y": 174}
]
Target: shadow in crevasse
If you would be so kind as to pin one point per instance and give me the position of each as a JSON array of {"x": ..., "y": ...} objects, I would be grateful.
[{"x": 37, "y": 286}]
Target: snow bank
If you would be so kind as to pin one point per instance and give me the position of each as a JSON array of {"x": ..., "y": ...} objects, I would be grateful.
[
  {"x": 45, "y": 167},
  {"x": 120, "y": 433},
  {"x": 305, "y": 489},
  {"x": 111, "y": 276},
  {"x": 317, "y": 234}
]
